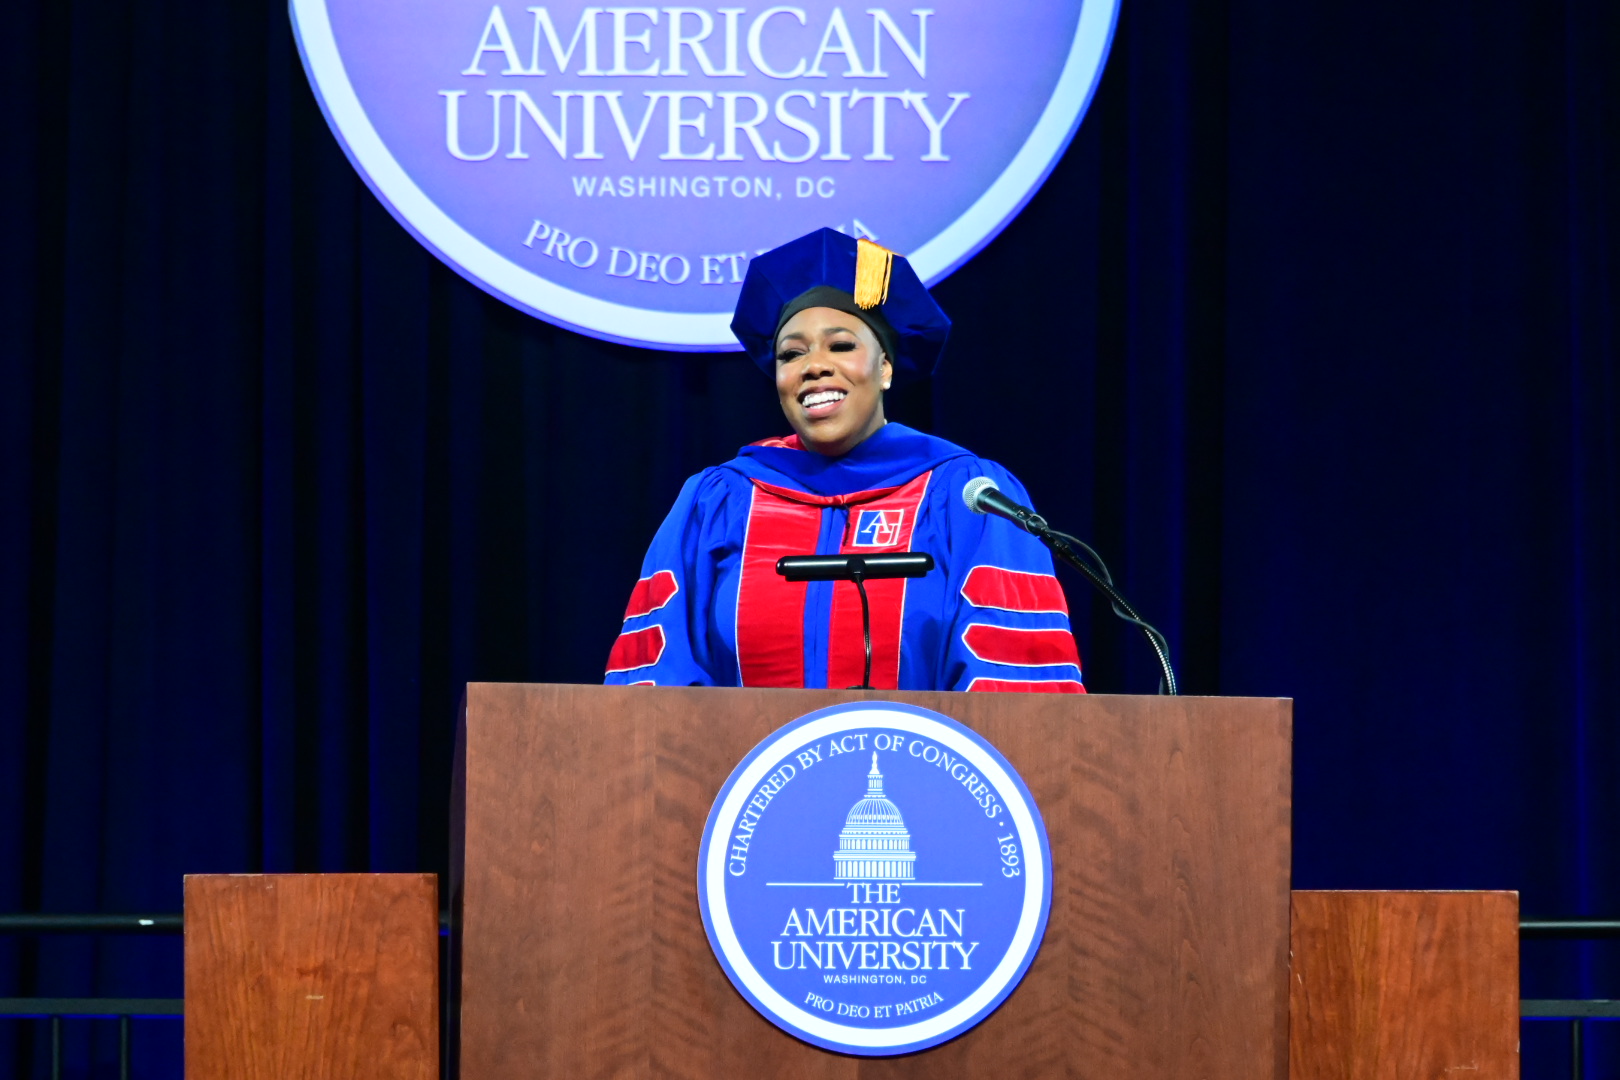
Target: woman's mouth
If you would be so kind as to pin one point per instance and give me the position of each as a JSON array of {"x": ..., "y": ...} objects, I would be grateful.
[{"x": 819, "y": 403}]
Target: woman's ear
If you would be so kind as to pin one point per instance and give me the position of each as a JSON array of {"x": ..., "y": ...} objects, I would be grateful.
[{"x": 885, "y": 371}]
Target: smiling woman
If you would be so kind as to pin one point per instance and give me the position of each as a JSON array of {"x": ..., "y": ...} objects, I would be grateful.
[
  {"x": 831, "y": 372},
  {"x": 836, "y": 321}
]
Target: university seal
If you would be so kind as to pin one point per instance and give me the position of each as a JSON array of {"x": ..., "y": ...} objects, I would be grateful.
[{"x": 874, "y": 878}]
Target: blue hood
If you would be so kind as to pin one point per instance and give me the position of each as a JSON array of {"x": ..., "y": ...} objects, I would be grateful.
[{"x": 891, "y": 456}]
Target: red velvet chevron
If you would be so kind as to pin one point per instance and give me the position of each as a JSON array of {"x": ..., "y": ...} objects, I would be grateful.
[
  {"x": 1013, "y": 590},
  {"x": 636, "y": 649},
  {"x": 1020, "y": 648},
  {"x": 650, "y": 594}
]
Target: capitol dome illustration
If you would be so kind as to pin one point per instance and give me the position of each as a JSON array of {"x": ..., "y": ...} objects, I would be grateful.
[{"x": 874, "y": 845}]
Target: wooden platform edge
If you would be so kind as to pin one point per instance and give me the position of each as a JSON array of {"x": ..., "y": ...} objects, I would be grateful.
[
  {"x": 1394, "y": 984},
  {"x": 311, "y": 975}
]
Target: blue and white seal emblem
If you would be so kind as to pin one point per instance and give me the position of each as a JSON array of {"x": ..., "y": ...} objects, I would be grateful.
[{"x": 874, "y": 878}]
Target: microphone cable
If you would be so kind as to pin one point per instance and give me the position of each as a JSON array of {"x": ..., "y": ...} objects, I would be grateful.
[{"x": 1092, "y": 568}]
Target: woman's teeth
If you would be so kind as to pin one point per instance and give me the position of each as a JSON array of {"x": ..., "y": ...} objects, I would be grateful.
[{"x": 823, "y": 397}]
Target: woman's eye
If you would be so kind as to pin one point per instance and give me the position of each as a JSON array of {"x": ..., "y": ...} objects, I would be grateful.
[
  {"x": 843, "y": 346},
  {"x": 787, "y": 356}
]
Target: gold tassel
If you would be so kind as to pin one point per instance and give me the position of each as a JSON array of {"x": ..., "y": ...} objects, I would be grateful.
[{"x": 872, "y": 265}]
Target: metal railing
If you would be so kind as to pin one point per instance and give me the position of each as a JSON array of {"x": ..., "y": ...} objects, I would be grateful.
[
  {"x": 124, "y": 1010},
  {"x": 1577, "y": 1011}
]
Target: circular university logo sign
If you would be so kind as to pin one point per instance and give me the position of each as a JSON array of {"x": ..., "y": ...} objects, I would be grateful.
[
  {"x": 874, "y": 878},
  {"x": 612, "y": 169}
]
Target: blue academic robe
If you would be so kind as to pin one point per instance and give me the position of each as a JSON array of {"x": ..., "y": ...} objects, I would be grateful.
[{"x": 710, "y": 609}]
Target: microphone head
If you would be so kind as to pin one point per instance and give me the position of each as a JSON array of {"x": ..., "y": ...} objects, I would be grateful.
[{"x": 974, "y": 488}]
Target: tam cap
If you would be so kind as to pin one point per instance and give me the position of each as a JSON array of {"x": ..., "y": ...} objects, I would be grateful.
[{"x": 828, "y": 269}]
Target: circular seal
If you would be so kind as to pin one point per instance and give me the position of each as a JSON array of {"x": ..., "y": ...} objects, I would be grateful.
[
  {"x": 874, "y": 878},
  {"x": 613, "y": 169}
]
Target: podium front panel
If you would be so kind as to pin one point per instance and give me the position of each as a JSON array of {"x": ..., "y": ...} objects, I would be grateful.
[{"x": 580, "y": 812}]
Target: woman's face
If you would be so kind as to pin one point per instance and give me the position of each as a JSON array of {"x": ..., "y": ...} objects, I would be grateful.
[{"x": 830, "y": 377}]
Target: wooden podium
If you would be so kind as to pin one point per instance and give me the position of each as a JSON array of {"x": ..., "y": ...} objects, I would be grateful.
[
  {"x": 582, "y": 954},
  {"x": 578, "y": 816}
]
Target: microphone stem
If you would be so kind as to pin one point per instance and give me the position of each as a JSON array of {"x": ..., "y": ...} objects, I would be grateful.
[
  {"x": 866, "y": 632},
  {"x": 1155, "y": 640}
]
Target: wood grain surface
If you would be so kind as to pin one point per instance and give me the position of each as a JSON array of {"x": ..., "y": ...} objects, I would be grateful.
[
  {"x": 291, "y": 976},
  {"x": 1390, "y": 985},
  {"x": 583, "y": 953}
]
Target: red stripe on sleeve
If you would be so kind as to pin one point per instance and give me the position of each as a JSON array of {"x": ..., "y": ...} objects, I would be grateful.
[
  {"x": 1013, "y": 590},
  {"x": 1013, "y": 686},
  {"x": 1020, "y": 648},
  {"x": 650, "y": 594},
  {"x": 846, "y": 648},
  {"x": 636, "y": 649},
  {"x": 770, "y": 608}
]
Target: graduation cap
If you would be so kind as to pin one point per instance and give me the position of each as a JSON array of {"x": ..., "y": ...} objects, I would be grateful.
[{"x": 828, "y": 269}]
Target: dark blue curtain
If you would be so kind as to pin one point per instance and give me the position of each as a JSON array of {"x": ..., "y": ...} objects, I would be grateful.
[{"x": 1313, "y": 333}]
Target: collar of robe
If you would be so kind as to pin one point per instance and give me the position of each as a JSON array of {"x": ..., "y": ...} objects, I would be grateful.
[{"x": 891, "y": 456}]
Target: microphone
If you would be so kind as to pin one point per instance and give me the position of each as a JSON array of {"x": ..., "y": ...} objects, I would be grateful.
[
  {"x": 983, "y": 497},
  {"x": 896, "y": 564}
]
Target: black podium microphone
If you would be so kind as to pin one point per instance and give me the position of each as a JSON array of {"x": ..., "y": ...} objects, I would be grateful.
[
  {"x": 983, "y": 497},
  {"x": 888, "y": 564},
  {"x": 860, "y": 569}
]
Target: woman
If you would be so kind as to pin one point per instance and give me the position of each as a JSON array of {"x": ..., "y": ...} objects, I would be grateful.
[{"x": 835, "y": 321}]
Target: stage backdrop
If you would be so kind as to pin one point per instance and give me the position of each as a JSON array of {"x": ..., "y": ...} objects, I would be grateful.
[{"x": 1312, "y": 333}]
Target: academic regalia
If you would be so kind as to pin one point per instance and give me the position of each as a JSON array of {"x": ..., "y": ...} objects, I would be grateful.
[{"x": 710, "y": 609}]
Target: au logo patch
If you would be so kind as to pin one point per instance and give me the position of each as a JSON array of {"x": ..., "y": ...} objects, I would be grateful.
[
  {"x": 874, "y": 878},
  {"x": 878, "y": 528}
]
